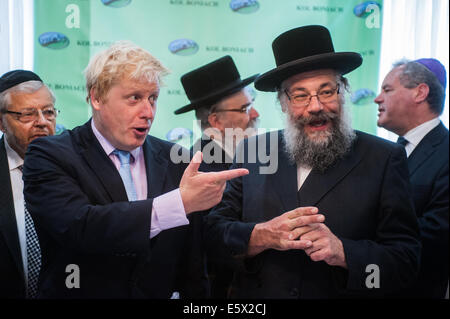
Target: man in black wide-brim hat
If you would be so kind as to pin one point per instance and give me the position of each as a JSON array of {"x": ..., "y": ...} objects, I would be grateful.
[
  {"x": 223, "y": 106},
  {"x": 335, "y": 219}
]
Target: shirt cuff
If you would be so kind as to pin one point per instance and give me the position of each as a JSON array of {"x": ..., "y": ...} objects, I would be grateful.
[{"x": 167, "y": 212}]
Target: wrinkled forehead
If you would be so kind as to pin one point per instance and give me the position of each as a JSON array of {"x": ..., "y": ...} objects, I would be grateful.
[
  {"x": 310, "y": 78},
  {"x": 393, "y": 76},
  {"x": 40, "y": 98}
]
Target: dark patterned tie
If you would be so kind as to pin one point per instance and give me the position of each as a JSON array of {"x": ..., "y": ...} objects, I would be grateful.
[
  {"x": 402, "y": 141},
  {"x": 33, "y": 254}
]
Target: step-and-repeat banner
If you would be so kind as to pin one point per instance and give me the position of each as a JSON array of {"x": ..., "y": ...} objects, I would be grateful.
[{"x": 186, "y": 34}]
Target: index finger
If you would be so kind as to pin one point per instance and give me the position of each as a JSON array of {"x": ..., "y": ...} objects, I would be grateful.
[
  {"x": 302, "y": 211},
  {"x": 230, "y": 174}
]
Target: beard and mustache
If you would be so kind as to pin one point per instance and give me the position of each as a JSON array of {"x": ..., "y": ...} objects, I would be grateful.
[{"x": 318, "y": 150}]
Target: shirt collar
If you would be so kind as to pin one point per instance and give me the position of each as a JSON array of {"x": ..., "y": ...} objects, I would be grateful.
[
  {"x": 14, "y": 160},
  {"x": 415, "y": 135},
  {"x": 107, "y": 146}
]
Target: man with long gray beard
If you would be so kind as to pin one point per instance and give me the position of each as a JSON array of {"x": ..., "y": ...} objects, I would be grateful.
[{"x": 336, "y": 219}]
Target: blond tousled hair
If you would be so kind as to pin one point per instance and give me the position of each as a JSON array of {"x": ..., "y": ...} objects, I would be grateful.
[{"x": 122, "y": 60}]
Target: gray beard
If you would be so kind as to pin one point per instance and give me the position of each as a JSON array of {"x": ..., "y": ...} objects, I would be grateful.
[{"x": 321, "y": 150}]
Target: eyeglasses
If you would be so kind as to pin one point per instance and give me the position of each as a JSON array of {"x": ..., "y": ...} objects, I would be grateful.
[
  {"x": 303, "y": 99},
  {"x": 32, "y": 114}
]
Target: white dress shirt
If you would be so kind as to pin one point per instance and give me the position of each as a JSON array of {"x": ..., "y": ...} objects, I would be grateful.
[
  {"x": 14, "y": 162},
  {"x": 415, "y": 135},
  {"x": 302, "y": 174}
]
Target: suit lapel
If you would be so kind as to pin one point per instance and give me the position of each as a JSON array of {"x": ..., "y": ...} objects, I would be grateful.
[
  {"x": 426, "y": 147},
  {"x": 285, "y": 180},
  {"x": 317, "y": 184},
  {"x": 155, "y": 166},
  {"x": 8, "y": 224},
  {"x": 101, "y": 164}
]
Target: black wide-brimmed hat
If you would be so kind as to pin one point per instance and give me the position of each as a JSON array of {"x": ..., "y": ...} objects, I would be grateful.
[
  {"x": 304, "y": 49},
  {"x": 212, "y": 82}
]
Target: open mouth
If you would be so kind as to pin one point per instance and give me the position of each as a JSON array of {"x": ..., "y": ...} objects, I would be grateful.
[
  {"x": 318, "y": 123},
  {"x": 141, "y": 131}
]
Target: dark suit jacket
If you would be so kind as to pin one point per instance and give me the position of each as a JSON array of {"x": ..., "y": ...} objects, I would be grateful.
[
  {"x": 219, "y": 271},
  {"x": 366, "y": 201},
  {"x": 12, "y": 281},
  {"x": 428, "y": 172},
  {"x": 214, "y": 157},
  {"x": 83, "y": 217}
]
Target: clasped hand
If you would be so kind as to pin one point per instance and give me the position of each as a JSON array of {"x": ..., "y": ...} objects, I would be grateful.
[{"x": 302, "y": 228}]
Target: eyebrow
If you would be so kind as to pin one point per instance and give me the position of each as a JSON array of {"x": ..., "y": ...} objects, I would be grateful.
[
  {"x": 37, "y": 107},
  {"x": 320, "y": 87}
]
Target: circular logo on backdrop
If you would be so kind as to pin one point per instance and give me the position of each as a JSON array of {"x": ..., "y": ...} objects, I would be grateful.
[
  {"x": 183, "y": 47},
  {"x": 54, "y": 40},
  {"x": 116, "y": 3},
  {"x": 244, "y": 6},
  {"x": 360, "y": 9},
  {"x": 362, "y": 96},
  {"x": 178, "y": 133}
]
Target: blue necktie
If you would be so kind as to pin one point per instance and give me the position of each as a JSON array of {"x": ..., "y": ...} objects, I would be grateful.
[
  {"x": 402, "y": 141},
  {"x": 125, "y": 173}
]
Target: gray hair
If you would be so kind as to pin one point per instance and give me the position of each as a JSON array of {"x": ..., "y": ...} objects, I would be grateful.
[
  {"x": 202, "y": 115},
  {"x": 413, "y": 73},
  {"x": 25, "y": 87}
]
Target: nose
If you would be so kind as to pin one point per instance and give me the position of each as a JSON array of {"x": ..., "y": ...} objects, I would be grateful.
[
  {"x": 378, "y": 99},
  {"x": 253, "y": 113},
  {"x": 40, "y": 120},
  {"x": 314, "y": 105},
  {"x": 148, "y": 110}
]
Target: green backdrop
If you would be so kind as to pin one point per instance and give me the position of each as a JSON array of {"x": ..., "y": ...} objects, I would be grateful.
[{"x": 69, "y": 32}]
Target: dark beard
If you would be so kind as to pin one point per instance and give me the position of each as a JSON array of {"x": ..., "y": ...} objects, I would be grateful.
[{"x": 322, "y": 151}]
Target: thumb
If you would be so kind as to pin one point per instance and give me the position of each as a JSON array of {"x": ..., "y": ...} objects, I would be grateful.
[{"x": 193, "y": 166}]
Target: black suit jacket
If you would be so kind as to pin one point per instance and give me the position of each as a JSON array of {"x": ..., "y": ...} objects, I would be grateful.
[
  {"x": 366, "y": 200},
  {"x": 220, "y": 273},
  {"x": 12, "y": 281},
  {"x": 428, "y": 172},
  {"x": 82, "y": 215}
]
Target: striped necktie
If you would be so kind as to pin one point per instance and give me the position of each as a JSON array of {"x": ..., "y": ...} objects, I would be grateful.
[
  {"x": 125, "y": 173},
  {"x": 33, "y": 254}
]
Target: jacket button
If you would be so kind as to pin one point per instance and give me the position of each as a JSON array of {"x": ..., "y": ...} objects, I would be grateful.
[{"x": 294, "y": 292}]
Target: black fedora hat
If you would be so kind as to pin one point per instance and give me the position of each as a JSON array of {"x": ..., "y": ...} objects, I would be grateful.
[
  {"x": 304, "y": 49},
  {"x": 212, "y": 82}
]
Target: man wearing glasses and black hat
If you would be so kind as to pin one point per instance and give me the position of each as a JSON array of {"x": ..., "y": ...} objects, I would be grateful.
[
  {"x": 223, "y": 105},
  {"x": 336, "y": 219},
  {"x": 26, "y": 112}
]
